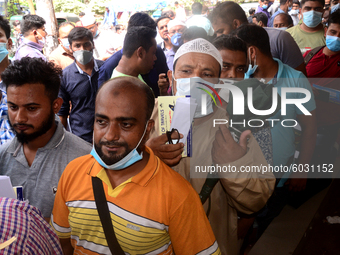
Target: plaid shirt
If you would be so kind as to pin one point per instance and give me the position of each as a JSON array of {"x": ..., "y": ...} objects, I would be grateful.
[
  {"x": 34, "y": 235},
  {"x": 6, "y": 132}
]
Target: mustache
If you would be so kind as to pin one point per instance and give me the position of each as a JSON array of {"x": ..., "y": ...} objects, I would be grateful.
[
  {"x": 21, "y": 125},
  {"x": 112, "y": 143}
]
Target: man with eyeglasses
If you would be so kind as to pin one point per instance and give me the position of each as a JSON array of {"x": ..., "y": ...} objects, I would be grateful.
[{"x": 309, "y": 34}]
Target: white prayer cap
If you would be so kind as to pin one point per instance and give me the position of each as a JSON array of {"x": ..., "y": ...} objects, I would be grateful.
[
  {"x": 199, "y": 45},
  {"x": 175, "y": 22},
  {"x": 88, "y": 20}
]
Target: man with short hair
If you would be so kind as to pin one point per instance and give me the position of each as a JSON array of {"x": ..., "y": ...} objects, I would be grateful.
[
  {"x": 6, "y": 132},
  {"x": 198, "y": 20},
  {"x": 37, "y": 156},
  {"x": 251, "y": 15},
  {"x": 260, "y": 19},
  {"x": 79, "y": 84},
  {"x": 62, "y": 55},
  {"x": 283, "y": 21},
  {"x": 272, "y": 71},
  {"x": 153, "y": 209},
  {"x": 294, "y": 12},
  {"x": 310, "y": 33},
  {"x": 160, "y": 67},
  {"x": 285, "y": 6},
  {"x": 228, "y": 16},
  {"x": 263, "y": 7},
  {"x": 103, "y": 40},
  {"x": 162, "y": 25},
  {"x": 139, "y": 53},
  {"x": 33, "y": 29},
  {"x": 234, "y": 55}
]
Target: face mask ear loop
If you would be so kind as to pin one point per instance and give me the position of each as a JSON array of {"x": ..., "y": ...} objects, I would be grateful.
[
  {"x": 142, "y": 135},
  {"x": 173, "y": 83}
]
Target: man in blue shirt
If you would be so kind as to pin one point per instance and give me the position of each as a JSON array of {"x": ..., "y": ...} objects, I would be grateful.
[
  {"x": 79, "y": 84},
  {"x": 160, "y": 67},
  {"x": 285, "y": 6},
  {"x": 263, "y": 7},
  {"x": 6, "y": 132}
]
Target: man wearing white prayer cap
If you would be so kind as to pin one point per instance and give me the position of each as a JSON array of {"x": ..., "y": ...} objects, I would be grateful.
[{"x": 215, "y": 147}]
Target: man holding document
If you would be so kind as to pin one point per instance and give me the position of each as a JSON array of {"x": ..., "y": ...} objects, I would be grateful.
[{"x": 243, "y": 192}]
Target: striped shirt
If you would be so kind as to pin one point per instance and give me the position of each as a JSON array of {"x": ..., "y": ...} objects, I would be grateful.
[
  {"x": 25, "y": 222},
  {"x": 154, "y": 212}
]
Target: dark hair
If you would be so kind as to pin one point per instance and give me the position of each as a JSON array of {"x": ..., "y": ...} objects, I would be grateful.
[
  {"x": 118, "y": 27},
  {"x": 254, "y": 35},
  {"x": 4, "y": 25},
  {"x": 260, "y": 16},
  {"x": 302, "y": 3},
  {"x": 288, "y": 18},
  {"x": 81, "y": 13},
  {"x": 230, "y": 42},
  {"x": 161, "y": 18},
  {"x": 30, "y": 22},
  {"x": 32, "y": 71},
  {"x": 169, "y": 13},
  {"x": 176, "y": 2},
  {"x": 193, "y": 33},
  {"x": 251, "y": 11},
  {"x": 79, "y": 33},
  {"x": 334, "y": 18},
  {"x": 283, "y": 2},
  {"x": 138, "y": 37},
  {"x": 296, "y": 2},
  {"x": 141, "y": 19},
  {"x": 264, "y": 0},
  {"x": 228, "y": 11},
  {"x": 196, "y": 8}
]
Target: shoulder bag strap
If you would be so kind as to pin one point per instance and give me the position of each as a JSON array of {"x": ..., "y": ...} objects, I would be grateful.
[
  {"x": 105, "y": 218},
  {"x": 311, "y": 54}
]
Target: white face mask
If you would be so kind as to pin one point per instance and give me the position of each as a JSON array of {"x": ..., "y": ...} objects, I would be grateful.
[
  {"x": 42, "y": 41},
  {"x": 193, "y": 87}
]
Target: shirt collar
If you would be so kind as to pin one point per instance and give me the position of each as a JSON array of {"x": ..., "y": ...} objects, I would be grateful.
[
  {"x": 142, "y": 178},
  {"x": 55, "y": 141},
  {"x": 96, "y": 68},
  {"x": 33, "y": 44}
]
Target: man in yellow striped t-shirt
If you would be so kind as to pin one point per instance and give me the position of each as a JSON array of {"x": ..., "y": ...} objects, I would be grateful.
[{"x": 153, "y": 209}]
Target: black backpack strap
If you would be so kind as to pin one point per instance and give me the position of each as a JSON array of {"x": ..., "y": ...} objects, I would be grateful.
[
  {"x": 105, "y": 218},
  {"x": 311, "y": 54}
]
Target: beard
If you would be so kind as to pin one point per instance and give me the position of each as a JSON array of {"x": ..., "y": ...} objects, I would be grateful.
[
  {"x": 45, "y": 126},
  {"x": 113, "y": 157}
]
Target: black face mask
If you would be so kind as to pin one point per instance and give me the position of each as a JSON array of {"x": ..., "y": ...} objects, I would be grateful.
[{"x": 327, "y": 6}]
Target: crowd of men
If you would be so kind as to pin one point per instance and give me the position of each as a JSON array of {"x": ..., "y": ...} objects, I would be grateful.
[{"x": 79, "y": 129}]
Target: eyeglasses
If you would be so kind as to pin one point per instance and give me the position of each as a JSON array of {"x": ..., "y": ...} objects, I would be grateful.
[{"x": 169, "y": 133}]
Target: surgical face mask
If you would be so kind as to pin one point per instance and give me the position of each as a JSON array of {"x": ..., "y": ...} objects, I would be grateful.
[
  {"x": 193, "y": 87},
  {"x": 42, "y": 41},
  {"x": 289, "y": 8},
  {"x": 83, "y": 56},
  {"x": 176, "y": 40},
  {"x": 125, "y": 162},
  {"x": 251, "y": 69},
  {"x": 333, "y": 43},
  {"x": 335, "y": 7},
  {"x": 3, "y": 51},
  {"x": 65, "y": 43},
  {"x": 97, "y": 33},
  {"x": 312, "y": 18},
  {"x": 294, "y": 12},
  {"x": 264, "y": 6},
  {"x": 282, "y": 28}
]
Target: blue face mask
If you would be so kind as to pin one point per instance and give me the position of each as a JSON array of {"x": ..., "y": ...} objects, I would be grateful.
[
  {"x": 251, "y": 69},
  {"x": 294, "y": 12},
  {"x": 3, "y": 51},
  {"x": 312, "y": 18},
  {"x": 125, "y": 162},
  {"x": 333, "y": 43},
  {"x": 335, "y": 8},
  {"x": 282, "y": 28},
  {"x": 176, "y": 40},
  {"x": 264, "y": 7},
  {"x": 289, "y": 8},
  {"x": 97, "y": 33}
]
